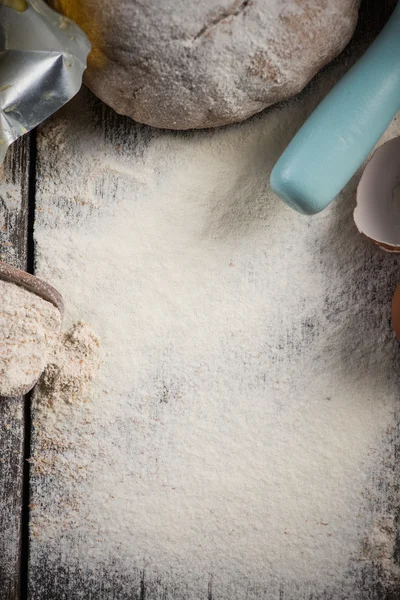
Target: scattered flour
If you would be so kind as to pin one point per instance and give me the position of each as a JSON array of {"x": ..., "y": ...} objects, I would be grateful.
[
  {"x": 71, "y": 367},
  {"x": 66, "y": 382},
  {"x": 29, "y": 327},
  {"x": 249, "y": 374},
  {"x": 380, "y": 546}
]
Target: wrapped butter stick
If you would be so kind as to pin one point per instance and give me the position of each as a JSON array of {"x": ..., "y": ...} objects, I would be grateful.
[{"x": 42, "y": 59}]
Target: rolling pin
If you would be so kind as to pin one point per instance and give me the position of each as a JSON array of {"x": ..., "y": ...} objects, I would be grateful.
[{"x": 343, "y": 129}]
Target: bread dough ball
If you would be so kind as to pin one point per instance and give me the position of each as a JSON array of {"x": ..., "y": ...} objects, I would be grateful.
[{"x": 182, "y": 64}]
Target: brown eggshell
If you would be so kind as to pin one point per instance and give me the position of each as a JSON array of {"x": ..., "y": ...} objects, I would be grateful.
[
  {"x": 396, "y": 312},
  {"x": 377, "y": 214}
]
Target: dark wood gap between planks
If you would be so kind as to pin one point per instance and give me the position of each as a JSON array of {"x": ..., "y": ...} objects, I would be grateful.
[
  {"x": 30, "y": 267},
  {"x": 14, "y": 235},
  {"x": 17, "y": 202}
]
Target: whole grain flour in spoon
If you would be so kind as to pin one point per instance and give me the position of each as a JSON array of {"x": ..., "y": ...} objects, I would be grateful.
[
  {"x": 236, "y": 435},
  {"x": 29, "y": 328}
]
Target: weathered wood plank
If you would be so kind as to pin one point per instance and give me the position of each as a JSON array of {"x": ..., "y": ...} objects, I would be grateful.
[{"x": 14, "y": 181}]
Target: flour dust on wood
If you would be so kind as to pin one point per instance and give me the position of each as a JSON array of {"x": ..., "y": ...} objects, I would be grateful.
[
  {"x": 249, "y": 376},
  {"x": 63, "y": 388}
]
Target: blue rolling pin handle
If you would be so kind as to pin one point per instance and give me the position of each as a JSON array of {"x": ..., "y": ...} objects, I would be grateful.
[
  {"x": 338, "y": 136},
  {"x": 293, "y": 193}
]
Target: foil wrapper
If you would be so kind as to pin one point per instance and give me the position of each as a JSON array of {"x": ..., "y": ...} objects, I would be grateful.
[{"x": 42, "y": 60}]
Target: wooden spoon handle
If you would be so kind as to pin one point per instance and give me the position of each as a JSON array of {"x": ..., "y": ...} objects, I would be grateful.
[{"x": 32, "y": 284}]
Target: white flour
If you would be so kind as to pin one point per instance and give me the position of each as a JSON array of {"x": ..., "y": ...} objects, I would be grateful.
[
  {"x": 249, "y": 370},
  {"x": 29, "y": 327}
]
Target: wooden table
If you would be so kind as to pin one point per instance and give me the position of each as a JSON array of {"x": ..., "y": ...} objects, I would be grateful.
[{"x": 17, "y": 208}]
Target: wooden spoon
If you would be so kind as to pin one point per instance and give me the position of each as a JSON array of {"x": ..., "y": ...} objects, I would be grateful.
[
  {"x": 32, "y": 284},
  {"x": 45, "y": 291}
]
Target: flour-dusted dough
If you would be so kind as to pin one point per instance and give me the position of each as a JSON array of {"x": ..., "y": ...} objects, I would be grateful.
[{"x": 184, "y": 64}]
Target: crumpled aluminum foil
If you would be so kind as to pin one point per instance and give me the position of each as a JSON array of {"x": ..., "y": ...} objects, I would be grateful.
[{"x": 42, "y": 59}]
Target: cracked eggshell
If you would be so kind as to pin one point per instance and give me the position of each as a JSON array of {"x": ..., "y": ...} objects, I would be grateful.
[{"x": 377, "y": 214}]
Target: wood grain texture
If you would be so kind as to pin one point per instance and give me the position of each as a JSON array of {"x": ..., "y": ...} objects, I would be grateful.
[
  {"x": 14, "y": 180},
  {"x": 56, "y": 575}
]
